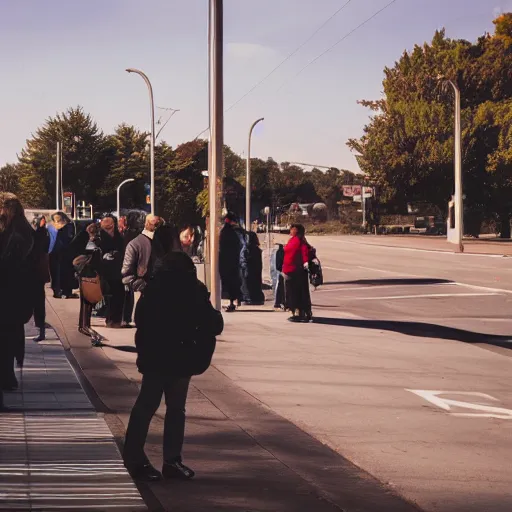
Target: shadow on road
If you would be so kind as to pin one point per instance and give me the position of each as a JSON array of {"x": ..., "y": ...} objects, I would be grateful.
[
  {"x": 421, "y": 329},
  {"x": 393, "y": 282}
]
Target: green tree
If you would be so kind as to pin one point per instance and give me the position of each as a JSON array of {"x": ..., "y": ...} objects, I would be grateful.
[
  {"x": 84, "y": 165},
  {"x": 407, "y": 148},
  {"x": 10, "y": 178}
]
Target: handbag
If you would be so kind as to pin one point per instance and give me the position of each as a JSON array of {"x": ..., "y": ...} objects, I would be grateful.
[{"x": 90, "y": 289}]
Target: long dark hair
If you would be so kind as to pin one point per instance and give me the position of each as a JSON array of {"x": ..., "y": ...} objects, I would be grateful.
[
  {"x": 14, "y": 225},
  {"x": 301, "y": 230}
]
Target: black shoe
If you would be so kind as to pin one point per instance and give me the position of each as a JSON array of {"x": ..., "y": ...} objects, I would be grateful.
[
  {"x": 145, "y": 473},
  {"x": 42, "y": 335},
  {"x": 73, "y": 296},
  {"x": 57, "y": 295},
  {"x": 177, "y": 470},
  {"x": 294, "y": 319},
  {"x": 230, "y": 309}
]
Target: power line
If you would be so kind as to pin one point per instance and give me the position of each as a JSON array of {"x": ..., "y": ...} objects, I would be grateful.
[
  {"x": 286, "y": 59},
  {"x": 339, "y": 41}
]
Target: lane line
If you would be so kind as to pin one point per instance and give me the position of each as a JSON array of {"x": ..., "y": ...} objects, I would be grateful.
[
  {"x": 377, "y": 287},
  {"x": 423, "y": 296},
  {"x": 390, "y": 272},
  {"x": 437, "y": 251},
  {"x": 485, "y": 288},
  {"x": 334, "y": 268}
]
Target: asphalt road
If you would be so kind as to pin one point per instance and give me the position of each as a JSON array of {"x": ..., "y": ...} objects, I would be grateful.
[{"x": 406, "y": 371}]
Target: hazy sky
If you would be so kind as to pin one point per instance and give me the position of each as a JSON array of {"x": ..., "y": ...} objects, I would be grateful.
[{"x": 60, "y": 53}]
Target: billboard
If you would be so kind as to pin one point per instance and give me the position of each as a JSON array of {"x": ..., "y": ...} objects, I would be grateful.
[{"x": 355, "y": 190}]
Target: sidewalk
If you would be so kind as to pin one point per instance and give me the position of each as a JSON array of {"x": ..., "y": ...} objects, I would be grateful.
[
  {"x": 57, "y": 453},
  {"x": 247, "y": 457}
]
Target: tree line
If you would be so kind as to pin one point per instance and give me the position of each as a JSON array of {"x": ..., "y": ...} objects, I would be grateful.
[
  {"x": 94, "y": 164},
  {"x": 407, "y": 148}
]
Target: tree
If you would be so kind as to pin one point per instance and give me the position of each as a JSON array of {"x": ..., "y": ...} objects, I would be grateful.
[
  {"x": 127, "y": 155},
  {"x": 407, "y": 148},
  {"x": 84, "y": 166},
  {"x": 10, "y": 178}
]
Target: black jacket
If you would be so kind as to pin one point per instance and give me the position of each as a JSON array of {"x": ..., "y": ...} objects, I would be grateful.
[
  {"x": 17, "y": 276},
  {"x": 176, "y": 323},
  {"x": 112, "y": 248}
]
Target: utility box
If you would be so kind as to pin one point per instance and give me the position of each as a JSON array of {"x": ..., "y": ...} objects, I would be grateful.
[{"x": 451, "y": 231}]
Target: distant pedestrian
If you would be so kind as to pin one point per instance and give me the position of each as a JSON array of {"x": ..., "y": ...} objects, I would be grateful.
[
  {"x": 137, "y": 258},
  {"x": 175, "y": 339},
  {"x": 17, "y": 278},
  {"x": 276, "y": 271},
  {"x": 41, "y": 258},
  {"x": 88, "y": 268},
  {"x": 111, "y": 245},
  {"x": 255, "y": 270},
  {"x": 61, "y": 261},
  {"x": 295, "y": 272},
  {"x": 229, "y": 262}
]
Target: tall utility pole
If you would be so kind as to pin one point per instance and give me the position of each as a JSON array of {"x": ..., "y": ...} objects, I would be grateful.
[
  {"x": 215, "y": 171},
  {"x": 152, "y": 141},
  {"x": 57, "y": 176},
  {"x": 248, "y": 178},
  {"x": 458, "y": 197}
]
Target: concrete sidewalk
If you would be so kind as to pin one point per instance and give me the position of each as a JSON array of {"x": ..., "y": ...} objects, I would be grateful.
[
  {"x": 56, "y": 452},
  {"x": 247, "y": 457}
]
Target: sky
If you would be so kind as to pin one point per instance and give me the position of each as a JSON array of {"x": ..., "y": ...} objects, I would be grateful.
[{"x": 55, "y": 54}]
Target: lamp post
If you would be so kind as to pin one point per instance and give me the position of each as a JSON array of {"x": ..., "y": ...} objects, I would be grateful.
[
  {"x": 216, "y": 145},
  {"x": 458, "y": 198},
  {"x": 152, "y": 142},
  {"x": 248, "y": 178},
  {"x": 119, "y": 196},
  {"x": 57, "y": 177}
]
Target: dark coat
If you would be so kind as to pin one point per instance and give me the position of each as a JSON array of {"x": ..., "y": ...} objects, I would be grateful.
[
  {"x": 229, "y": 262},
  {"x": 112, "y": 248},
  {"x": 17, "y": 276},
  {"x": 255, "y": 270},
  {"x": 40, "y": 254},
  {"x": 176, "y": 323}
]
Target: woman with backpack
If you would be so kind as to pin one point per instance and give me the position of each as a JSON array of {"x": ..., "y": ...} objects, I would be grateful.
[
  {"x": 295, "y": 273},
  {"x": 175, "y": 339}
]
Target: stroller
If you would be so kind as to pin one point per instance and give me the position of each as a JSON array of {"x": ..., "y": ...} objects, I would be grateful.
[{"x": 316, "y": 277}]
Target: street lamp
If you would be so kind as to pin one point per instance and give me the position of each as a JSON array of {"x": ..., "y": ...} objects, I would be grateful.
[
  {"x": 248, "y": 179},
  {"x": 119, "y": 196},
  {"x": 458, "y": 198},
  {"x": 152, "y": 142}
]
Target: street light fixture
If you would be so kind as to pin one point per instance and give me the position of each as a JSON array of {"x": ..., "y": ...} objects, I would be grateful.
[
  {"x": 119, "y": 196},
  {"x": 458, "y": 198},
  {"x": 152, "y": 142},
  {"x": 248, "y": 178}
]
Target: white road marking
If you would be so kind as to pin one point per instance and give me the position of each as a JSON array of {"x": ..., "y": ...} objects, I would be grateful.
[
  {"x": 337, "y": 269},
  {"x": 389, "y": 272},
  {"x": 486, "y": 411},
  {"x": 376, "y": 287},
  {"x": 424, "y": 296},
  {"x": 437, "y": 251},
  {"x": 486, "y": 288}
]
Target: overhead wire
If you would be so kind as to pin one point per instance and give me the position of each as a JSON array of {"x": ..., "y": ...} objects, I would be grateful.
[
  {"x": 339, "y": 41},
  {"x": 284, "y": 61}
]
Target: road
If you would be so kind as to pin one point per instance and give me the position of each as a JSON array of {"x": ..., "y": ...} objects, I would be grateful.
[{"x": 406, "y": 371}]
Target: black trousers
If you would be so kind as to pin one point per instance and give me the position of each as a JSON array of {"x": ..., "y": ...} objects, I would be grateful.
[
  {"x": 40, "y": 305},
  {"x": 129, "y": 303},
  {"x": 12, "y": 346},
  {"x": 114, "y": 301},
  {"x": 84, "y": 320},
  {"x": 297, "y": 294},
  {"x": 148, "y": 401}
]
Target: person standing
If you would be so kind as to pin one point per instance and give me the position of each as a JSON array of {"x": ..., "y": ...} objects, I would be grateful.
[
  {"x": 88, "y": 267},
  {"x": 134, "y": 227},
  {"x": 255, "y": 270},
  {"x": 111, "y": 245},
  {"x": 61, "y": 262},
  {"x": 41, "y": 258},
  {"x": 229, "y": 262},
  {"x": 295, "y": 265},
  {"x": 137, "y": 256},
  {"x": 17, "y": 277},
  {"x": 173, "y": 312}
]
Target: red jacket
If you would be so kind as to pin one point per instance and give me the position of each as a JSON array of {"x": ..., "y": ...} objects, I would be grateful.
[{"x": 296, "y": 253}]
